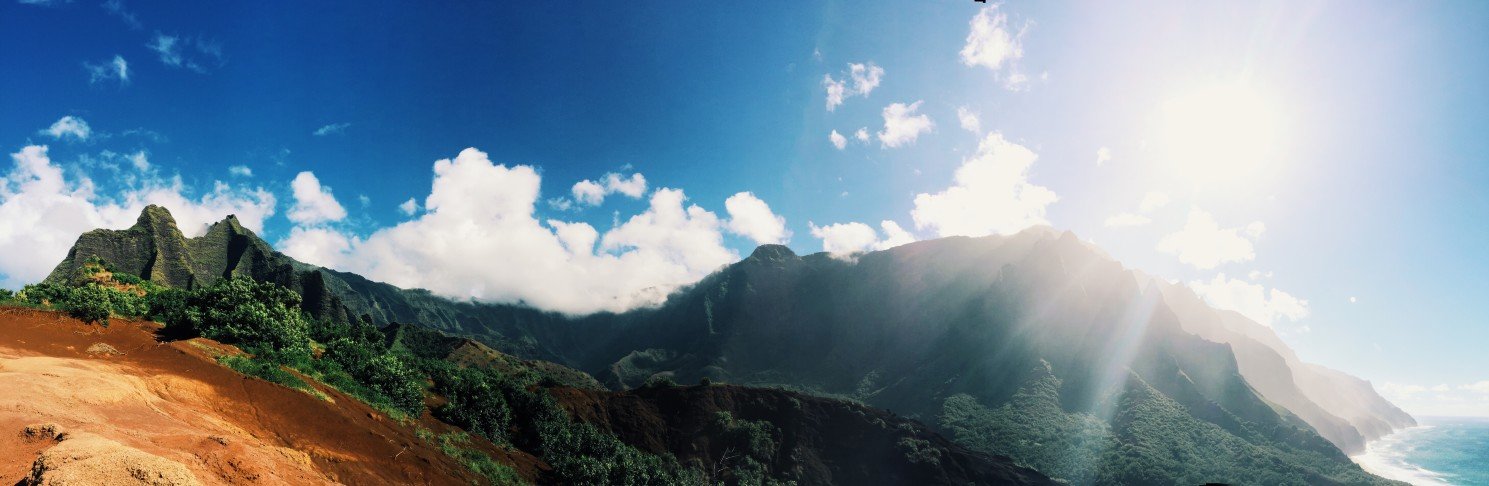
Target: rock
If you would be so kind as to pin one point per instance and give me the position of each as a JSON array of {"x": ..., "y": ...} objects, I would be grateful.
[
  {"x": 38, "y": 432},
  {"x": 89, "y": 459},
  {"x": 101, "y": 348}
]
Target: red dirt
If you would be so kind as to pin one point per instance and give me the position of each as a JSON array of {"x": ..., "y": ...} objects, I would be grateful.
[{"x": 172, "y": 400}]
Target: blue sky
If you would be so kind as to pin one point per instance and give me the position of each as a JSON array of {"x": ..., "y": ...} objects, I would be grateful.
[{"x": 1342, "y": 167}]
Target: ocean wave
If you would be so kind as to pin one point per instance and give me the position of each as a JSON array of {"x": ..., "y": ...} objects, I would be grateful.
[{"x": 1386, "y": 457}]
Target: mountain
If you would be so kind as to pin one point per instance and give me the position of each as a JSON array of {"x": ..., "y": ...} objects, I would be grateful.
[
  {"x": 1035, "y": 345},
  {"x": 540, "y": 416},
  {"x": 1342, "y": 408}
]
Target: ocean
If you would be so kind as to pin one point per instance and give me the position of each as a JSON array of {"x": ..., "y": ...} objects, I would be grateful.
[{"x": 1440, "y": 451}]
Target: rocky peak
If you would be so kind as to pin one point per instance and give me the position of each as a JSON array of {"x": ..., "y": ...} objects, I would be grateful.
[{"x": 773, "y": 253}]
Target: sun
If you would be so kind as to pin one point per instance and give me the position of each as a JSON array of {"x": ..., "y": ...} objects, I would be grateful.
[{"x": 1223, "y": 134}]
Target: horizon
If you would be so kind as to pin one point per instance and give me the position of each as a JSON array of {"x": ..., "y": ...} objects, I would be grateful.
[{"x": 1313, "y": 167}]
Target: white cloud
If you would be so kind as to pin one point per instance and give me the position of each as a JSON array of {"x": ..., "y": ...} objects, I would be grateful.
[
  {"x": 837, "y": 139},
  {"x": 1258, "y": 275},
  {"x": 991, "y": 194},
  {"x": 844, "y": 240},
  {"x": 478, "y": 238},
  {"x": 116, "y": 8},
  {"x": 172, "y": 51},
  {"x": 1352, "y": 299},
  {"x": 1127, "y": 219},
  {"x": 69, "y": 127},
  {"x": 860, "y": 81},
  {"x": 364, "y": 200},
  {"x": 139, "y": 160},
  {"x": 240, "y": 171},
  {"x": 332, "y": 129},
  {"x": 751, "y": 218},
  {"x": 992, "y": 45},
  {"x": 314, "y": 204},
  {"x": 1103, "y": 155},
  {"x": 409, "y": 207},
  {"x": 1152, "y": 201},
  {"x": 633, "y": 187},
  {"x": 116, "y": 69},
  {"x": 588, "y": 192},
  {"x": 42, "y": 211},
  {"x": 902, "y": 126},
  {"x": 1444, "y": 400},
  {"x": 168, "y": 47},
  {"x": 593, "y": 193},
  {"x": 1251, "y": 300},
  {"x": 862, "y": 134},
  {"x": 968, "y": 119},
  {"x": 1476, "y": 387},
  {"x": 1203, "y": 244}
]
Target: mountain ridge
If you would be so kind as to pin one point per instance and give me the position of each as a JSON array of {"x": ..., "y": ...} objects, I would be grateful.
[{"x": 998, "y": 285}]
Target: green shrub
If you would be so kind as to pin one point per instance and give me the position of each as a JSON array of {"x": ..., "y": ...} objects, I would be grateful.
[
  {"x": 89, "y": 303},
  {"x": 261, "y": 317}
]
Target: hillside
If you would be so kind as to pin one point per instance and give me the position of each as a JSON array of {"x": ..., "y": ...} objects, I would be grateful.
[
  {"x": 1034, "y": 345},
  {"x": 118, "y": 393}
]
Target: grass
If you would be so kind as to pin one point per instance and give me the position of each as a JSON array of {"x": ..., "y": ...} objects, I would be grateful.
[
  {"x": 269, "y": 372},
  {"x": 456, "y": 446}
]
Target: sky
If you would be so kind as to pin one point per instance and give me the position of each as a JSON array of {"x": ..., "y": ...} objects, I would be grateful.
[{"x": 1317, "y": 166}]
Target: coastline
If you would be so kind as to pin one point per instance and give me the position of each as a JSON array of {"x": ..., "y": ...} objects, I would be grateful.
[{"x": 1383, "y": 457}]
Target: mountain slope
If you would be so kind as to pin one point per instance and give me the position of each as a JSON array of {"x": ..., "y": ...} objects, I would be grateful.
[
  {"x": 931, "y": 330},
  {"x": 492, "y": 394},
  {"x": 1342, "y": 408}
]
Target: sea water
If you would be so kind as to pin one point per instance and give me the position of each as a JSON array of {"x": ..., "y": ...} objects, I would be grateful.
[{"x": 1439, "y": 451}]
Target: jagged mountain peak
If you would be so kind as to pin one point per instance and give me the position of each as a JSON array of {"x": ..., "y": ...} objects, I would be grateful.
[{"x": 773, "y": 252}]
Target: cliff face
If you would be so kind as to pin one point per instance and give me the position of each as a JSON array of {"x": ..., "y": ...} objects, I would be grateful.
[{"x": 153, "y": 249}]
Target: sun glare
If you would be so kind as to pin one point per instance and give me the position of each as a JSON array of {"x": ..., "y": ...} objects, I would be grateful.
[{"x": 1220, "y": 135}]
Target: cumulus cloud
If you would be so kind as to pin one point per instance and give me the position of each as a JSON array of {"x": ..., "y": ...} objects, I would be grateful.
[
  {"x": 992, "y": 45},
  {"x": 409, "y": 207},
  {"x": 902, "y": 125},
  {"x": 1103, "y": 155},
  {"x": 991, "y": 194},
  {"x": 314, "y": 203},
  {"x": 69, "y": 127},
  {"x": 862, "y": 135},
  {"x": 1265, "y": 306},
  {"x": 42, "y": 211},
  {"x": 861, "y": 80},
  {"x": 332, "y": 129},
  {"x": 478, "y": 238},
  {"x": 837, "y": 139},
  {"x": 1203, "y": 244},
  {"x": 240, "y": 171},
  {"x": 844, "y": 240},
  {"x": 593, "y": 192},
  {"x": 751, "y": 218},
  {"x": 968, "y": 119},
  {"x": 116, "y": 69}
]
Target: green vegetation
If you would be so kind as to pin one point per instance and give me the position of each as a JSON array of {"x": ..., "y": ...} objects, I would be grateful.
[
  {"x": 510, "y": 408},
  {"x": 1151, "y": 440},
  {"x": 751, "y": 446},
  {"x": 457, "y": 445}
]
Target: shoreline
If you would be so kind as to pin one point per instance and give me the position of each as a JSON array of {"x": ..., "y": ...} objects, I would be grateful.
[{"x": 1381, "y": 459}]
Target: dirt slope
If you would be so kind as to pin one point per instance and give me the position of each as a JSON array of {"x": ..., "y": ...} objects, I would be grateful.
[{"x": 120, "y": 393}]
